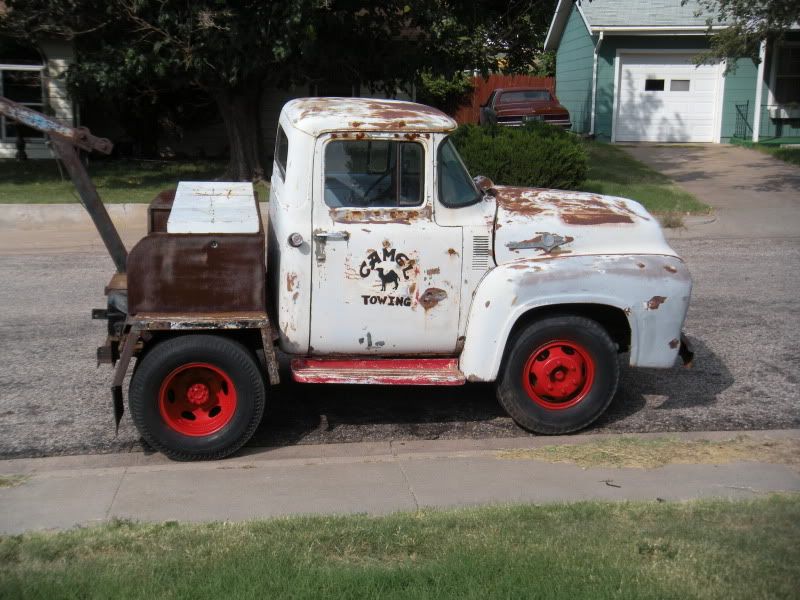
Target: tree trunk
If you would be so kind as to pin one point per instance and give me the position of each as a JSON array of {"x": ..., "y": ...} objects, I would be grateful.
[{"x": 240, "y": 112}]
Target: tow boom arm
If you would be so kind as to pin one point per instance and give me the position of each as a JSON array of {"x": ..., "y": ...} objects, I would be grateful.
[{"x": 66, "y": 141}]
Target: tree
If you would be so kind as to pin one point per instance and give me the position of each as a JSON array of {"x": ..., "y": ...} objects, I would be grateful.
[
  {"x": 231, "y": 50},
  {"x": 749, "y": 23}
]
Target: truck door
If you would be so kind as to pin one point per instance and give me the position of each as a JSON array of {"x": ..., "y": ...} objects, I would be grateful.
[{"x": 385, "y": 277}]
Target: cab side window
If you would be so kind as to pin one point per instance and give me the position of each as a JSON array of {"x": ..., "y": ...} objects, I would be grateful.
[
  {"x": 374, "y": 173},
  {"x": 281, "y": 151}
]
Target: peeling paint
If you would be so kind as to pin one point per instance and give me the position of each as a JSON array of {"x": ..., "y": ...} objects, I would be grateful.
[{"x": 655, "y": 302}]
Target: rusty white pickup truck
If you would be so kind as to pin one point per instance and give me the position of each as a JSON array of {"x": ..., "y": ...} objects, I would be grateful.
[{"x": 383, "y": 262}]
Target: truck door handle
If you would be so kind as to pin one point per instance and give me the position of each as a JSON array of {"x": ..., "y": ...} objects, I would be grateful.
[
  {"x": 322, "y": 237},
  {"x": 328, "y": 236}
]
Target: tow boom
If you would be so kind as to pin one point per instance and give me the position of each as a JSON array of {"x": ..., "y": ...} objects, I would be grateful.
[{"x": 65, "y": 142}]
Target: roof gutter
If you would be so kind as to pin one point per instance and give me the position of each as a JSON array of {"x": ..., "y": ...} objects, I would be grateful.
[{"x": 594, "y": 80}]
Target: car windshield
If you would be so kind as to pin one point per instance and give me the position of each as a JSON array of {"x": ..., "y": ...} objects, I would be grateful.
[
  {"x": 524, "y": 96},
  {"x": 456, "y": 188}
]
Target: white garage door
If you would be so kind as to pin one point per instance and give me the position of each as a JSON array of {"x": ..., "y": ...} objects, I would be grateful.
[{"x": 666, "y": 98}]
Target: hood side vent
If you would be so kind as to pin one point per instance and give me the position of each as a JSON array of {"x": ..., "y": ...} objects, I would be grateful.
[{"x": 480, "y": 252}]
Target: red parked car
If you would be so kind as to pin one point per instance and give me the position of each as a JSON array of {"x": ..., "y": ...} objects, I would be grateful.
[{"x": 516, "y": 106}]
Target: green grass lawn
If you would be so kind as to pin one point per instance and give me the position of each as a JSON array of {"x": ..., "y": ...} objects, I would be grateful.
[
  {"x": 39, "y": 181},
  {"x": 789, "y": 155},
  {"x": 614, "y": 172},
  {"x": 706, "y": 549}
]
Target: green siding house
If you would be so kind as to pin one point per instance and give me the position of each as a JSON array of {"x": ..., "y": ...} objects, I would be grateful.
[{"x": 625, "y": 71}]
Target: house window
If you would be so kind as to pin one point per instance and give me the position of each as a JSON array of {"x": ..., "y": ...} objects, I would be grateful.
[
  {"x": 787, "y": 75},
  {"x": 23, "y": 84},
  {"x": 679, "y": 85},
  {"x": 654, "y": 85}
]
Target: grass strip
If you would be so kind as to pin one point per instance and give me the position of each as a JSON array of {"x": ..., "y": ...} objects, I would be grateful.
[
  {"x": 648, "y": 453},
  {"x": 137, "y": 181},
  {"x": 789, "y": 155},
  {"x": 702, "y": 549},
  {"x": 614, "y": 172}
]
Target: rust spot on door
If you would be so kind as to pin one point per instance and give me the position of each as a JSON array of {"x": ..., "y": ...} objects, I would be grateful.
[{"x": 431, "y": 297}]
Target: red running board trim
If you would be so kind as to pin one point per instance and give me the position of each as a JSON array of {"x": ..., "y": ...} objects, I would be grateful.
[{"x": 387, "y": 371}]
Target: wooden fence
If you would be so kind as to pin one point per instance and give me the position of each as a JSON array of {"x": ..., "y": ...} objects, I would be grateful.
[{"x": 470, "y": 112}]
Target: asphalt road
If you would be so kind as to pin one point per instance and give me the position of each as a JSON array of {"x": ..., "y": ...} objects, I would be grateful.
[{"x": 743, "y": 321}]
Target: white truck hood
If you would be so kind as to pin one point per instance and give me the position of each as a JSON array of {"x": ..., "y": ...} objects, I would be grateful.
[{"x": 533, "y": 223}]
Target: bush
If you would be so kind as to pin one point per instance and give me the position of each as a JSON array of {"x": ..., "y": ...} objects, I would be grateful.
[{"x": 536, "y": 155}]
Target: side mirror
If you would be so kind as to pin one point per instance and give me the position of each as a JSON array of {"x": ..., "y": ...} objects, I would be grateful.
[{"x": 485, "y": 184}]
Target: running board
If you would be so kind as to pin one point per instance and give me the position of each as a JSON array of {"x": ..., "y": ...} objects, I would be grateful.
[{"x": 387, "y": 371}]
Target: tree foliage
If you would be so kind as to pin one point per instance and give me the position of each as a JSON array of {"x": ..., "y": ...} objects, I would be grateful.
[
  {"x": 139, "y": 52},
  {"x": 749, "y": 22}
]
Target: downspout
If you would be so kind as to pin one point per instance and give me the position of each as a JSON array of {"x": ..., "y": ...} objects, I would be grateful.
[
  {"x": 594, "y": 80},
  {"x": 762, "y": 54}
]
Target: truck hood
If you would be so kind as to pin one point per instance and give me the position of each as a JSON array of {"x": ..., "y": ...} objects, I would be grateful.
[{"x": 539, "y": 223}]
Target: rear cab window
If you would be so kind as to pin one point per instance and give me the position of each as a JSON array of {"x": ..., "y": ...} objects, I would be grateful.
[{"x": 281, "y": 151}]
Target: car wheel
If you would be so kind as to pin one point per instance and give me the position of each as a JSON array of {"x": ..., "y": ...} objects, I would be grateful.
[
  {"x": 197, "y": 397},
  {"x": 559, "y": 374}
]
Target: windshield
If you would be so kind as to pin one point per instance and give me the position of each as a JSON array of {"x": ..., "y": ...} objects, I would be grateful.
[{"x": 456, "y": 187}]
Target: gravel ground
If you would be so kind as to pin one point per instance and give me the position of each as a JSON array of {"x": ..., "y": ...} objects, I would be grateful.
[{"x": 743, "y": 321}]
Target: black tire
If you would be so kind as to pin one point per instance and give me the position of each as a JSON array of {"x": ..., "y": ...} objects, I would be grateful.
[
  {"x": 204, "y": 353},
  {"x": 557, "y": 415}
]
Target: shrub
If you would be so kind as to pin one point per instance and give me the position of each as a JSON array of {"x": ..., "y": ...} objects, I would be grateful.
[{"x": 536, "y": 155}]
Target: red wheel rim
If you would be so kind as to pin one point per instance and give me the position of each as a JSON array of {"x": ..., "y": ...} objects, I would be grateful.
[
  {"x": 197, "y": 399},
  {"x": 558, "y": 374}
]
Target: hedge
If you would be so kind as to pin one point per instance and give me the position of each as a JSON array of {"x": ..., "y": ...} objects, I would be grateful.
[{"x": 536, "y": 155}]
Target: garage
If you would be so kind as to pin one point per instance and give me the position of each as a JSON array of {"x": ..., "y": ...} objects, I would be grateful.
[{"x": 665, "y": 97}]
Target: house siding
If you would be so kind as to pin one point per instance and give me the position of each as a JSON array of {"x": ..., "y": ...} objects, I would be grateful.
[
  {"x": 606, "y": 73},
  {"x": 574, "y": 60},
  {"x": 740, "y": 88}
]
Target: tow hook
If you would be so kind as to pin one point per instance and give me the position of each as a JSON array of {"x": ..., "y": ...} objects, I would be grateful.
[{"x": 686, "y": 353}]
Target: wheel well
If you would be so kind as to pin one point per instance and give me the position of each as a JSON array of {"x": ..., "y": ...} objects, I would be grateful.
[
  {"x": 611, "y": 318},
  {"x": 249, "y": 338}
]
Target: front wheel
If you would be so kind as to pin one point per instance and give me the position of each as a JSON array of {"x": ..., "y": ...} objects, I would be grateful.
[
  {"x": 197, "y": 397},
  {"x": 559, "y": 375}
]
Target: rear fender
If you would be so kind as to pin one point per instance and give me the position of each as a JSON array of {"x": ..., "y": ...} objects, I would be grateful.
[{"x": 653, "y": 292}]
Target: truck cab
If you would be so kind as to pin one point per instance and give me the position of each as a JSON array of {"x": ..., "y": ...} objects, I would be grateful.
[{"x": 383, "y": 261}]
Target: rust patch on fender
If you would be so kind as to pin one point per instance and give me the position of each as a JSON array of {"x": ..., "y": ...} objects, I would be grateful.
[
  {"x": 670, "y": 269},
  {"x": 655, "y": 302},
  {"x": 452, "y": 252},
  {"x": 674, "y": 344}
]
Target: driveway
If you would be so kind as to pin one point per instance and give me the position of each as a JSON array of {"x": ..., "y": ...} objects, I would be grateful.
[{"x": 754, "y": 195}]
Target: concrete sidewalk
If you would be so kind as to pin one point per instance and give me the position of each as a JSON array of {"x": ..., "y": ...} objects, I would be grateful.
[{"x": 374, "y": 478}]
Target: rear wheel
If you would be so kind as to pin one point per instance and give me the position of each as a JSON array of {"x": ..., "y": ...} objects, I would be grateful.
[
  {"x": 197, "y": 397},
  {"x": 559, "y": 375}
]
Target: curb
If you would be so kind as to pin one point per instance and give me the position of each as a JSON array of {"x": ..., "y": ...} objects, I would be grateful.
[{"x": 358, "y": 452}]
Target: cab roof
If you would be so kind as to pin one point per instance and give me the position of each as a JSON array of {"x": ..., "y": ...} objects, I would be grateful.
[{"x": 320, "y": 115}]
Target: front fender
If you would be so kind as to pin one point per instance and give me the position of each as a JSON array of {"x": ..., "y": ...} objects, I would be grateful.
[{"x": 652, "y": 290}]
